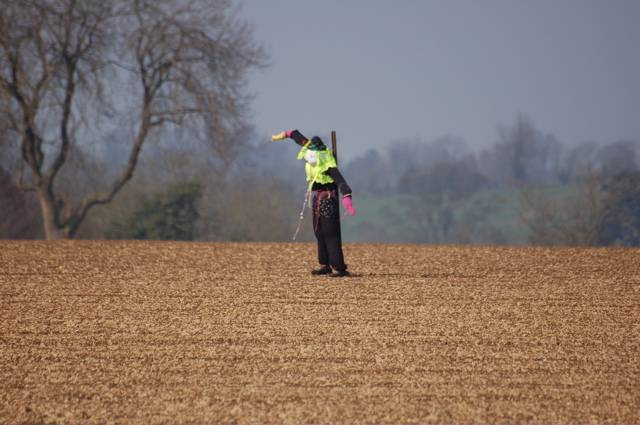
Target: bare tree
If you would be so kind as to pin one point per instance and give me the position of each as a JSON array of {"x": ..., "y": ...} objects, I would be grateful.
[
  {"x": 72, "y": 70},
  {"x": 523, "y": 155},
  {"x": 620, "y": 158},
  {"x": 18, "y": 218},
  {"x": 580, "y": 160},
  {"x": 621, "y": 225},
  {"x": 572, "y": 215}
]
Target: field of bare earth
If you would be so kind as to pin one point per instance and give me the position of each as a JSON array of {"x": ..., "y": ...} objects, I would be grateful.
[{"x": 203, "y": 333}]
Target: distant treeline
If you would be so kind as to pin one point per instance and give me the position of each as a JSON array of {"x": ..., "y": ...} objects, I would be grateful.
[{"x": 527, "y": 188}]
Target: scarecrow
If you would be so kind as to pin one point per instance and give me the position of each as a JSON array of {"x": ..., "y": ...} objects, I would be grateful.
[{"x": 325, "y": 182}]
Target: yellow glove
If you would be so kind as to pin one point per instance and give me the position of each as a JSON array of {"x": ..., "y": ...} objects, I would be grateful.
[{"x": 279, "y": 136}]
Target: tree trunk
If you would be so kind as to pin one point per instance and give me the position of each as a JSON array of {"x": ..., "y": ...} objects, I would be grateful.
[{"x": 47, "y": 209}]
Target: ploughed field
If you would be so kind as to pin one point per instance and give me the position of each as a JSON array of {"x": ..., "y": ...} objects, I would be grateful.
[{"x": 197, "y": 333}]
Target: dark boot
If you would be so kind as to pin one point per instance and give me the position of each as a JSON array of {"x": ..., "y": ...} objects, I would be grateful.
[
  {"x": 322, "y": 270},
  {"x": 340, "y": 273}
]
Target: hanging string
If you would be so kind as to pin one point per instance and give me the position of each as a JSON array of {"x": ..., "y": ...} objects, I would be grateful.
[{"x": 304, "y": 204}]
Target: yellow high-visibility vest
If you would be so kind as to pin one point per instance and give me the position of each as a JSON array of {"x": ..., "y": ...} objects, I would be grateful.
[{"x": 316, "y": 173}]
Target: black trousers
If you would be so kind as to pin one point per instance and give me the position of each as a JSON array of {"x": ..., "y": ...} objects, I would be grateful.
[{"x": 326, "y": 226}]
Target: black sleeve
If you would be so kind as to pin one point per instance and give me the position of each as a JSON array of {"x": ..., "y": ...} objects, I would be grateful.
[
  {"x": 335, "y": 174},
  {"x": 298, "y": 137}
]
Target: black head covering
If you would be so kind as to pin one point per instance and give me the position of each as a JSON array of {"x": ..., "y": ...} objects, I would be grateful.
[{"x": 316, "y": 144}]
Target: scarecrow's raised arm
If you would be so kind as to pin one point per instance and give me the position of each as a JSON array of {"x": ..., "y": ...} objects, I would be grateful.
[{"x": 291, "y": 134}]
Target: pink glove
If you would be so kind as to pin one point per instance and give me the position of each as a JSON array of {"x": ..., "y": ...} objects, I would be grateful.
[{"x": 348, "y": 204}]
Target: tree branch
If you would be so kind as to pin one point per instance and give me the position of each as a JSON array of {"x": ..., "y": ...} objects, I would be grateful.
[
  {"x": 64, "y": 123},
  {"x": 106, "y": 197},
  {"x": 21, "y": 183}
]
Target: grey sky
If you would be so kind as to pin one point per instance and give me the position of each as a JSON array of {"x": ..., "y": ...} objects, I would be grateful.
[{"x": 378, "y": 71}]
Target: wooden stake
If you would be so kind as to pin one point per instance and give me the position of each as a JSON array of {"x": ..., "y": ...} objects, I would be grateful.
[{"x": 334, "y": 146}]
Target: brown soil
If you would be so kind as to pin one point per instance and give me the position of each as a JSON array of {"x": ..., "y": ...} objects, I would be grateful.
[{"x": 148, "y": 333}]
